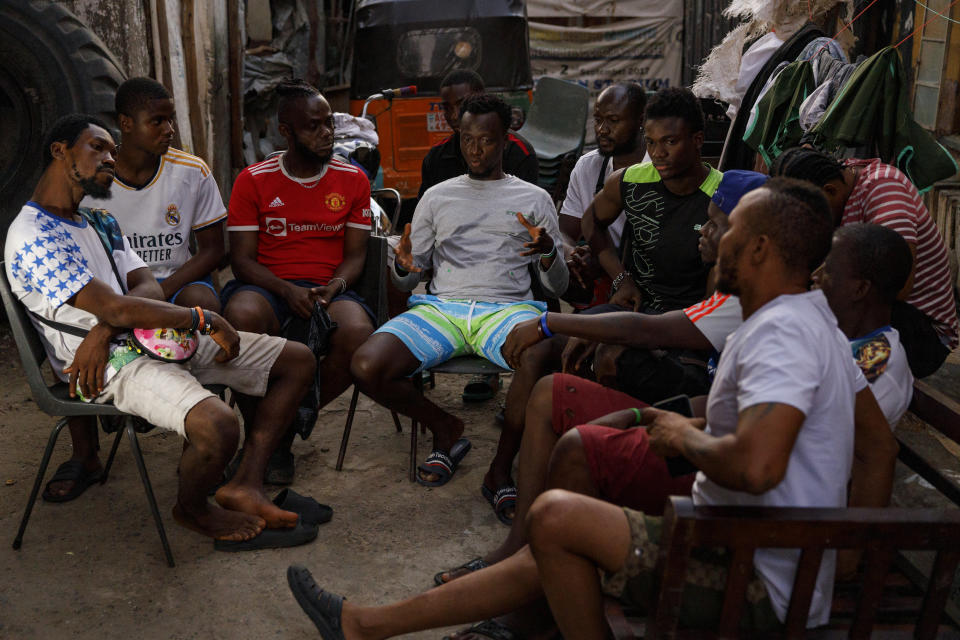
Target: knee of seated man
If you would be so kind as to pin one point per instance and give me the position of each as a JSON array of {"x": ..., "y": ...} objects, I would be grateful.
[
  {"x": 213, "y": 428},
  {"x": 567, "y": 452},
  {"x": 365, "y": 366},
  {"x": 249, "y": 311},
  {"x": 548, "y": 515},
  {"x": 349, "y": 336},
  {"x": 297, "y": 359},
  {"x": 605, "y": 363},
  {"x": 534, "y": 359},
  {"x": 198, "y": 295}
]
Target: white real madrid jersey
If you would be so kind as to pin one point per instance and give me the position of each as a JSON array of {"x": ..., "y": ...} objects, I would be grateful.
[{"x": 157, "y": 219}]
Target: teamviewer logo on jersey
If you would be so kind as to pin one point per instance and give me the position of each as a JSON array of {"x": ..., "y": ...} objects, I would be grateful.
[{"x": 276, "y": 226}]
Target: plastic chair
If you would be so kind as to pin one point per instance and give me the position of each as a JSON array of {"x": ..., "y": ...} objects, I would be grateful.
[
  {"x": 55, "y": 400},
  {"x": 556, "y": 123}
]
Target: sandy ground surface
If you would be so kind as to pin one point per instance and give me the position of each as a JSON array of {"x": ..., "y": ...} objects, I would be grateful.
[{"x": 94, "y": 568}]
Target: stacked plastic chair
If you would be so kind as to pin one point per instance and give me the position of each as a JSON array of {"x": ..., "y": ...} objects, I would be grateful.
[{"x": 556, "y": 125}]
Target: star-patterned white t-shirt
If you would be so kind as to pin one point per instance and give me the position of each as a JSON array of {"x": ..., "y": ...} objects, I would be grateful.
[{"x": 48, "y": 259}]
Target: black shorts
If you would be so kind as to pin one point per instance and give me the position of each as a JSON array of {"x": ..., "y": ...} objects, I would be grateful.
[{"x": 280, "y": 308}]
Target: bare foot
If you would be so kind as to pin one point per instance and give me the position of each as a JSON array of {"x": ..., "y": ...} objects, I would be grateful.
[
  {"x": 238, "y": 497},
  {"x": 219, "y": 524}
]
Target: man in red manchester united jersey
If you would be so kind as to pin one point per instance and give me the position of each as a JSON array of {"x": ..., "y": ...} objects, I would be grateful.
[{"x": 299, "y": 224}]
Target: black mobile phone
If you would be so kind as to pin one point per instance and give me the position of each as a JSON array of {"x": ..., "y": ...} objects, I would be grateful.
[{"x": 678, "y": 465}]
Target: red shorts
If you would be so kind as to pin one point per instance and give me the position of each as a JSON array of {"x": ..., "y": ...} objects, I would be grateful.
[{"x": 624, "y": 469}]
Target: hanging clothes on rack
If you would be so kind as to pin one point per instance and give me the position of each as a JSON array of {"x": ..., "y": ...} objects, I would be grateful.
[
  {"x": 774, "y": 124},
  {"x": 872, "y": 110}
]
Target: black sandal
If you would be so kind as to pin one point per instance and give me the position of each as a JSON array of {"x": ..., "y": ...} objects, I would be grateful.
[{"x": 323, "y": 607}]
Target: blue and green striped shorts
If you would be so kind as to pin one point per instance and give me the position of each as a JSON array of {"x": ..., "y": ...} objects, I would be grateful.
[{"x": 436, "y": 330}]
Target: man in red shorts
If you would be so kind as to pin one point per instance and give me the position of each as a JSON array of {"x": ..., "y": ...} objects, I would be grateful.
[
  {"x": 299, "y": 224},
  {"x": 555, "y": 405}
]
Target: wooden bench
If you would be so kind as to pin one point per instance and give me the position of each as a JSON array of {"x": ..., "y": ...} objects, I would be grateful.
[
  {"x": 892, "y": 589},
  {"x": 879, "y": 532}
]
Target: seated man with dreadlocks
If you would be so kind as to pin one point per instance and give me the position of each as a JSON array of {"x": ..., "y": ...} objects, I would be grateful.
[{"x": 299, "y": 224}]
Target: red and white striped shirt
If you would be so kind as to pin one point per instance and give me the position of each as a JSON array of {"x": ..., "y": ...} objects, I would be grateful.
[{"x": 883, "y": 195}]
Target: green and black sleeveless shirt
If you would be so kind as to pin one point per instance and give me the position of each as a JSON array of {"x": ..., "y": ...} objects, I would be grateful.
[{"x": 664, "y": 231}]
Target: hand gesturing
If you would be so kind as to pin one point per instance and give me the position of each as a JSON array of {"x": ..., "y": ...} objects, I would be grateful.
[
  {"x": 541, "y": 241},
  {"x": 404, "y": 252}
]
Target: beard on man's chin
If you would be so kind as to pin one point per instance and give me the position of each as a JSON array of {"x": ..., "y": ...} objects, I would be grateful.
[
  {"x": 309, "y": 154},
  {"x": 619, "y": 150},
  {"x": 727, "y": 282},
  {"x": 95, "y": 189}
]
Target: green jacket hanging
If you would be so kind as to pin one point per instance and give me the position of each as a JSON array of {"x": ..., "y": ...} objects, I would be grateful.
[
  {"x": 873, "y": 110},
  {"x": 774, "y": 124}
]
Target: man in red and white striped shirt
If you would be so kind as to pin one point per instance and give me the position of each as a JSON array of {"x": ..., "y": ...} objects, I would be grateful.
[{"x": 869, "y": 191}]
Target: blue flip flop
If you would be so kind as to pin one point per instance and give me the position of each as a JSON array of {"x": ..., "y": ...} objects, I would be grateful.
[{"x": 443, "y": 465}]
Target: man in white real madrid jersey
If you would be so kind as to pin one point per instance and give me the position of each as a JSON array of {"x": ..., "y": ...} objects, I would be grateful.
[{"x": 159, "y": 196}]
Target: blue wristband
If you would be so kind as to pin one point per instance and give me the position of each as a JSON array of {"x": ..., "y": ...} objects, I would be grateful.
[{"x": 543, "y": 325}]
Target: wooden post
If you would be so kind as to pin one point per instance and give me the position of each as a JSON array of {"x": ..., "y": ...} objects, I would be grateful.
[{"x": 236, "y": 30}]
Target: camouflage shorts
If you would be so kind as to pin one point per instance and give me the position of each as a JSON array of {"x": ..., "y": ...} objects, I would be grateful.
[{"x": 706, "y": 579}]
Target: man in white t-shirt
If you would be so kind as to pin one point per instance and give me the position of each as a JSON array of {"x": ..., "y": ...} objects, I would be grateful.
[
  {"x": 618, "y": 126},
  {"x": 85, "y": 288},
  {"x": 159, "y": 196},
  {"x": 779, "y": 432}
]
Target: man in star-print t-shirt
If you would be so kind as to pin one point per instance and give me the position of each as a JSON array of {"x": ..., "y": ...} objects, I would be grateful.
[{"x": 299, "y": 224}]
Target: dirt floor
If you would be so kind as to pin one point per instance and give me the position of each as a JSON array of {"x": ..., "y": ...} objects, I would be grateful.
[{"x": 94, "y": 568}]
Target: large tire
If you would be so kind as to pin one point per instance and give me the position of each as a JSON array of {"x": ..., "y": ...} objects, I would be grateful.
[{"x": 51, "y": 64}]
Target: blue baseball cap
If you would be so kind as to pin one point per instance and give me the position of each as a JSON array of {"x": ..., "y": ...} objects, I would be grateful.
[{"x": 734, "y": 185}]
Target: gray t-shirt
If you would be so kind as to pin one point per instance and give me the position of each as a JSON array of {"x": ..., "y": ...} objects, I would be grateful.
[{"x": 467, "y": 232}]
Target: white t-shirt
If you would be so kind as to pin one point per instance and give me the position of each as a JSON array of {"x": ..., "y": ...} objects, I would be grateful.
[
  {"x": 790, "y": 351},
  {"x": 883, "y": 362},
  {"x": 157, "y": 219},
  {"x": 583, "y": 187},
  {"x": 751, "y": 63},
  {"x": 49, "y": 259},
  {"x": 716, "y": 317}
]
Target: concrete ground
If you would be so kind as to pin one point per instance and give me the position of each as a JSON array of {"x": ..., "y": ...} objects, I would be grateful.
[{"x": 94, "y": 568}]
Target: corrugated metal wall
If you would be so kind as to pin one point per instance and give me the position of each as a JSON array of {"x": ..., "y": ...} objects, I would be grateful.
[{"x": 704, "y": 26}]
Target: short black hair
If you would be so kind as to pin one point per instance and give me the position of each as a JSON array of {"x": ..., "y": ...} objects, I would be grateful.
[
  {"x": 464, "y": 76},
  {"x": 481, "y": 103},
  {"x": 676, "y": 102},
  {"x": 68, "y": 129},
  {"x": 134, "y": 94},
  {"x": 807, "y": 164},
  {"x": 636, "y": 98},
  {"x": 289, "y": 92},
  {"x": 797, "y": 219},
  {"x": 880, "y": 256}
]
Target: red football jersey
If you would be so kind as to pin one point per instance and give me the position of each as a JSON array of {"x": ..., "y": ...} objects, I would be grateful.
[{"x": 300, "y": 221}]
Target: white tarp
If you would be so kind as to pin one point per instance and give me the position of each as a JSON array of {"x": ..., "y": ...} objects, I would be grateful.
[
  {"x": 603, "y": 8},
  {"x": 647, "y": 50}
]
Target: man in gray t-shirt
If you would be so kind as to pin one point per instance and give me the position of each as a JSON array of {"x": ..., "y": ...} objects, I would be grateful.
[{"x": 479, "y": 234}]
